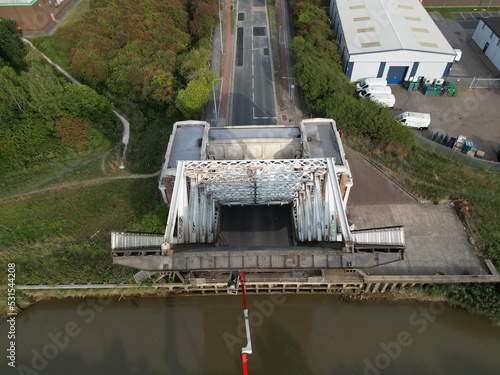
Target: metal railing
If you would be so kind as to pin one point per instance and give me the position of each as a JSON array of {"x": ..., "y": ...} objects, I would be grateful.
[
  {"x": 448, "y": 153},
  {"x": 475, "y": 83}
]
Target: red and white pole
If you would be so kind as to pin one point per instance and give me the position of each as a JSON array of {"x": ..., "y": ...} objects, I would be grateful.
[{"x": 247, "y": 349}]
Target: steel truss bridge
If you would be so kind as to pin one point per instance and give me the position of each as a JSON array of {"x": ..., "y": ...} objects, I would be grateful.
[{"x": 309, "y": 186}]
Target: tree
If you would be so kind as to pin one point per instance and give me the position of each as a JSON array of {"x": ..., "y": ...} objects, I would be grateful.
[
  {"x": 191, "y": 100},
  {"x": 204, "y": 17},
  {"x": 12, "y": 48}
]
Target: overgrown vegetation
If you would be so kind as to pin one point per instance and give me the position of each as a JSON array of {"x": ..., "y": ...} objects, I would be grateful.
[
  {"x": 145, "y": 51},
  {"x": 70, "y": 244},
  {"x": 150, "y": 58},
  {"x": 42, "y": 116},
  {"x": 372, "y": 129}
]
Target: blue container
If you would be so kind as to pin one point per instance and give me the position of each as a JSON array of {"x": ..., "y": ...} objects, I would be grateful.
[
  {"x": 451, "y": 142},
  {"x": 467, "y": 146}
]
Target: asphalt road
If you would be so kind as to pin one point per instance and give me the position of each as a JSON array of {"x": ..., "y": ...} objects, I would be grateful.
[{"x": 253, "y": 101}]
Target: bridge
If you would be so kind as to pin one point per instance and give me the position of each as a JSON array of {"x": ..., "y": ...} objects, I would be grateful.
[{"x": 259, "y": 199}]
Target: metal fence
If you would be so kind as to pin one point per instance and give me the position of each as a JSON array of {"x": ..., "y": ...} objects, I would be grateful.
[
  {"x": 448, "y": 153},
  {"x": 475, "y": 83},
  {"x": 485, "y": 83}
]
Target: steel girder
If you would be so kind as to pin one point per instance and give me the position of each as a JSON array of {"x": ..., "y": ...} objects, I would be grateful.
[{"x": 310, "y": 185}]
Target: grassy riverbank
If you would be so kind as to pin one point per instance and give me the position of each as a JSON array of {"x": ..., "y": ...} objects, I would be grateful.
[{"x": 26, "y": 298}]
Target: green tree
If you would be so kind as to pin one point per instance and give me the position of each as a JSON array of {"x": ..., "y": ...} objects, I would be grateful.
[
  {"x": 13, "y": 97},
  {"x": 46, "y": 90},
  {"x": 191, "y": 100},
  {"x": 12, "y": 48}
]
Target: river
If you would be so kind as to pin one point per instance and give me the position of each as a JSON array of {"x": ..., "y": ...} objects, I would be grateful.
[{"x": 291, "y": 334}]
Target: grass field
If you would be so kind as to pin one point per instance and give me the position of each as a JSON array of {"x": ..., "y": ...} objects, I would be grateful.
[{"x": 63, "y": 236}]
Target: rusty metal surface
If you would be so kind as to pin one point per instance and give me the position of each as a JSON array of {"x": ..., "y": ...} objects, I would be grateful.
[{"x": 250, "y": 259}]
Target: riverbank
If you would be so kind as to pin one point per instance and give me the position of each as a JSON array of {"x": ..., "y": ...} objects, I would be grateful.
[{"x": 477, "y": 299}]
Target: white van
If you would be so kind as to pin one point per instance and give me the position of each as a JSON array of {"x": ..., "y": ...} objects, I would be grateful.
[
  {"x": 375, "y": 90},
  {"x": 370, "y": 82},
  {"x": 415, "y": 119},
  {"x": 387, "y": 100}
]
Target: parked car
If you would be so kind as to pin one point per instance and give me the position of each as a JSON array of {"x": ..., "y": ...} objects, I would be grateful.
[
  {"x": 370, "y": 82},
  {"x": 415, "y": 119},
  {"x": 375, "y": 90},
  {"x": 387, "y": 100}
]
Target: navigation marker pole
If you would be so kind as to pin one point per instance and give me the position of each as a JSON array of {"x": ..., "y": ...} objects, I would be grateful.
[{"x": 247, "y": 349}]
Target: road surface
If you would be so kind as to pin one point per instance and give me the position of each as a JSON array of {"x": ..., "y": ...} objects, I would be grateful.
[{"x": 253, "y": 101}]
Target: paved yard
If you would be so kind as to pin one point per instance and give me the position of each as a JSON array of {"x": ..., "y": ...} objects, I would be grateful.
[
  {"x": 473, "y": 113},
  {"x": 436, "y": 241}
]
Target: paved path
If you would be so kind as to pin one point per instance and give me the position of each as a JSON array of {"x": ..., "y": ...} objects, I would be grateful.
[
  {"x": 371, "y": 186},
  {"x": 85, "y": 183}
]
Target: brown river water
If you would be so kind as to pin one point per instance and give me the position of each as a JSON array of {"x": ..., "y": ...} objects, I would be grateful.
[{"x": 291, "y": 334}]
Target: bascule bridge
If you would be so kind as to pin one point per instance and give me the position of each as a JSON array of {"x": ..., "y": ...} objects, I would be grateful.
[{"x": 259, "y": 199}]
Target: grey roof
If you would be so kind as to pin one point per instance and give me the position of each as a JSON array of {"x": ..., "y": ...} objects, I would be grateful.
[
  {"x": 388, "y": 25},
  {"x": 187, "y": 142},
  {"x": 494, "y": 24}
]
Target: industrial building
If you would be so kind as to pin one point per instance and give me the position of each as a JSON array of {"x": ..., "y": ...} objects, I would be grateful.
[
  {"x": 392, "y": 39},
  {"x": 487, "y": 37}
]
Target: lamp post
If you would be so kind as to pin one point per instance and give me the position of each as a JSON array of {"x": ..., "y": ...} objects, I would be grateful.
[
  {"x": 291, "y": 87},
  {"x": 216, "y": 112}
]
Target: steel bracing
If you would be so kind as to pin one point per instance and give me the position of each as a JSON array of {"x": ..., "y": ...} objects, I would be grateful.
[{"x": 309, "y": 185}]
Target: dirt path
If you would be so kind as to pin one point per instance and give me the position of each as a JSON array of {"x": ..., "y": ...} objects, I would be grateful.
[{"x": 73, "y": 185}]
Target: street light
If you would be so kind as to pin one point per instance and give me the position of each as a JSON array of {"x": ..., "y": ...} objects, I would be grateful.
[{"x": 215, "y": 101}]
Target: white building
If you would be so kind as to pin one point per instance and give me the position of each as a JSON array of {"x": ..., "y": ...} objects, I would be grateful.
[
  {"x": 393, "y": 39},
  {"x": 487, "y": 37}
]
